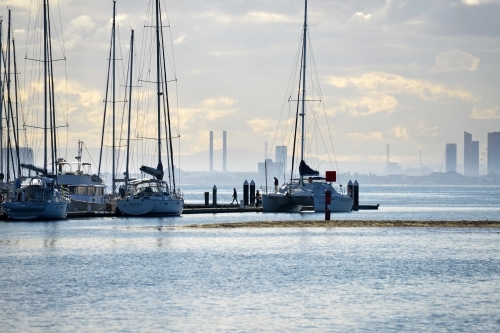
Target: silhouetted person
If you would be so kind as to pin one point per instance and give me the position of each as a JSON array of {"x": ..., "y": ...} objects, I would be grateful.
[
  {"x": 276, "y": 183},
  {"x": 235, "y": 197},
  {"x": 258, "y": 197}
]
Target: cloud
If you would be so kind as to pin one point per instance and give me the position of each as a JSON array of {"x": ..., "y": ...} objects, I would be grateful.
[
  {"x": 396, "y": 84},
  {"x": 367, "y": 105},
  {"x": 359, "y": 17},
  {"x": 226, "y": 53},
  {"x": 212, "y": 109},
  {"x": 477, "y": 2},
  {"x": 83, "y": 21},
  {"x": 365, "y": 136},
  {"x": 490, "y": 113},
  {"x": 262, "y": 125},
  {"x": 250, "y": 17},
  {"x": 400, "y": 132},
  {"x": 263, "y": 17},
  {"x": 424, "y": 129},
  {"x": 455, "y": 61},
  {"x": 179, "y": 39},
  {"x": 219, "y": 102}
]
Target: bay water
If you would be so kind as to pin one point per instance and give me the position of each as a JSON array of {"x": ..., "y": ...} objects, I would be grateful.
[{"x": 151, "y": 274}]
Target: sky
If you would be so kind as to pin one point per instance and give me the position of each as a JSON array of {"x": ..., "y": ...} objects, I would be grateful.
[{"x": 414, "y": 74}]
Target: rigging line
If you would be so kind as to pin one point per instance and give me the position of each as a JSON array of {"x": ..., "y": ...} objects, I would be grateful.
[
  {"x": 62, "y": 31},
  {"x": 125, "y": 107},
  {"x": 52, "y": 97},
  {"x": 168, "y": 108},
  {"x": 65, "y": 111},
  {"x": 29, "y": 24},
  {"x": 326, "y": 117},
  {"x": 105, "y": 105},
  {"x": 171, "y": 43},
  {"x": 55, "y": 28},
  {"x": 175, "y": 76},
  {"x": 297, "y": 114},
  {"x": 16, "y": 85},
  {"x": 292, "y": 77}
]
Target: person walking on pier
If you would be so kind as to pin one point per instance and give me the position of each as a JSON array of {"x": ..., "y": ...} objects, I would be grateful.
[
  {"x": 235, "y": 197},
  {"x": 276, "y": 183},
  {"x": 258, "y": 197}
]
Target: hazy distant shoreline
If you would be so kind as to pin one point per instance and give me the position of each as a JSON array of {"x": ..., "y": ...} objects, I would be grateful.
[{"x": 347, "y": 223}]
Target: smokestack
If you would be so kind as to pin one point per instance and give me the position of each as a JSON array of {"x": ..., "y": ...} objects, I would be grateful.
[
  {"x": 211, "y": 167},
  {"x": 224, "y": 150}
]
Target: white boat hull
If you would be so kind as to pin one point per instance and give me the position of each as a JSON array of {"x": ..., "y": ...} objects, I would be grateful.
[
  {"x": 338, "y": 204},
  {"x": 137, "y": 206},
  {"x": 35, "y": 210}
]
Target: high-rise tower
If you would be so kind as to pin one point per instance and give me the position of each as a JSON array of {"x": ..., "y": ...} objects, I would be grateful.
[
  {"x": 494, "y": 153},
  {"x": 451, "y": 157},
  {"x": 471, "y": 156}
]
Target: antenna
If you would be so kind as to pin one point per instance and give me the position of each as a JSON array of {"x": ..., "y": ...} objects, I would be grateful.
[{"x": 265, "y": 151}]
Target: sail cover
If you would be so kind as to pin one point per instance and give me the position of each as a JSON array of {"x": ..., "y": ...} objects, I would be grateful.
[
  {"x": 157, "y": 173},
  {"x": 305, "y": 169}
]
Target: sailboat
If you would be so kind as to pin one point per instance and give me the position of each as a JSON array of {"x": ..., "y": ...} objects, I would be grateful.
[
  {"x": 39, "y": 197},
  {"x": 153, "y": 196},
  {"x": 294, "y": 195}
]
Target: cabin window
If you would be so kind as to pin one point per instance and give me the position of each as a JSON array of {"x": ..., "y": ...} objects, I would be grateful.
[
  {"x": 81, "y": 190},
  {"x": 98, "y": 191},
  {"x": 90, "y": 190}
]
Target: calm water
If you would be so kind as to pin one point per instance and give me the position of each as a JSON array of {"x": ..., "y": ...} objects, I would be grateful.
[{"x": 144, "y": 275}]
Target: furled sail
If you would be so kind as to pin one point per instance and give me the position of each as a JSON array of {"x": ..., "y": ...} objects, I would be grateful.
[
  {"x": 305, "y": 169},
  {"x": 157, "y": 173},
  {"x": 34, "y": 168}
]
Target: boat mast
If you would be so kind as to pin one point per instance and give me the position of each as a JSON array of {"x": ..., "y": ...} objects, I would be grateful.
[
  {"x": 9, "y": 102},
  {"x": 129, "y": 106},
  {"x": 45, "y": 86},
  {"x": 159, "y": 93},
  {"x": 113, "y": 94},
  {"x": 16, "y": 128},
  {"x": 304, "y": 52},
  {"x": 1, "y": 97},
  {"x": 105, "y": 104},
  {"x": 168, "y": 128}
]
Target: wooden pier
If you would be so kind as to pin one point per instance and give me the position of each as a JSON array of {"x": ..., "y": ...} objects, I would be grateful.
[{"x": 201, "y": 209}]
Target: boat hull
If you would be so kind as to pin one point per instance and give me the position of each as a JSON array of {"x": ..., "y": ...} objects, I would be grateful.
[
  {"x": 139, "y": 206},
  {"x": 279, "y": 203},
  {"x": 85, "y": 206},
  {"x": 35, "y": 210},
  {"x": 338, "y": 204}
]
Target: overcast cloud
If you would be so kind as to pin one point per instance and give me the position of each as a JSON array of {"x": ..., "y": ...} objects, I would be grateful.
[{"x": 410, "y": 73}]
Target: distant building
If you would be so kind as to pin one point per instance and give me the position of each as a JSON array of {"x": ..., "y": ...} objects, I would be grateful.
[
  {"x": 274, "y": 169},
  {"x": 494, "y": 153},
  {"x": 451, "y": 157},
  {"x": 394, "y": 169},
  {"x": 281, "y": 157},
  {"x": 471, "y": 156}
]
